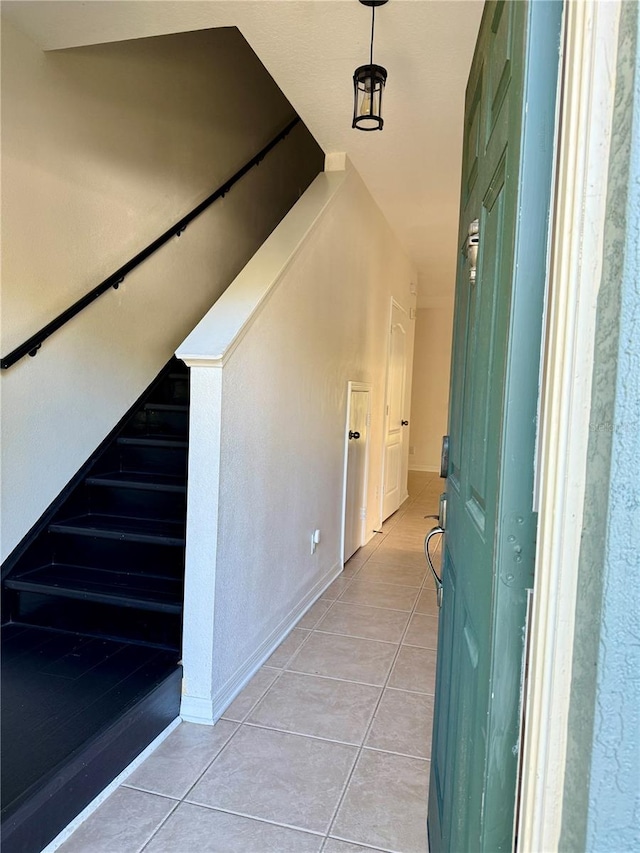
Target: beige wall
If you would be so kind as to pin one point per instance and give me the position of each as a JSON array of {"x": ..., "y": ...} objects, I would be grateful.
[
  {"x": 430, "y": 393},
  {"x": 323, "y": 321},
  {"x": 103, "y": 148}
]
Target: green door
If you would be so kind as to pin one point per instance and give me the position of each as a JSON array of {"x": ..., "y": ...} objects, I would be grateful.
[{"x": 490, "y": 523}]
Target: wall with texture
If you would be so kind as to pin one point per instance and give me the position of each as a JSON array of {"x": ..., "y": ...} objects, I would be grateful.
[
  {"x": 103, "y": 148},
  {"x": 430, "y": 390},
  {"x": 601, "y": 808},
  {"x": 282, "y": 431}
]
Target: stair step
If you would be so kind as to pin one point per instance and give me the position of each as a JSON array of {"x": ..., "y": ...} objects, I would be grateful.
[
  {"x": 166, "y": 407},
  {"x": 138, "y": 558},
  {"x": 153, "y": 440},
  {"x": 93, "y": 606},
  {"x": 144, "y": 592},
  {"x": 75, "y": 712},
  {"x": 154, "y": 452},
  {"x": 124, "y": 529},
  {"x": 164, "y": 415},
  {"x": 140, "y": 480}
]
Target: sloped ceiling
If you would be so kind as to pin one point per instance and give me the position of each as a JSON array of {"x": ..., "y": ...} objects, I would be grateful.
[{"x": 311, "y": 48}]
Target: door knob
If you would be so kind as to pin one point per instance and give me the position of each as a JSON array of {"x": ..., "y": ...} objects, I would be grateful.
[
  {"x": 353, "y": 435},
  {"x": 404, "y": 423}
]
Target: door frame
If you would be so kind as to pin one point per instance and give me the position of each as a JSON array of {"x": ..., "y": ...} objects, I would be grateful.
[
  {"x": 587, "y": 93},
  {"x": 403, "y": 473},
  {"x": 368, "y": 388}
]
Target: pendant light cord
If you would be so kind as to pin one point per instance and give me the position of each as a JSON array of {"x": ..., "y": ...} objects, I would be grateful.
[{"x": 373, "y": 23}]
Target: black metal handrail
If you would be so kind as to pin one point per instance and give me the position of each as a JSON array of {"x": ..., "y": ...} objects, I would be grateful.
[{"x": 33, "y": 344}]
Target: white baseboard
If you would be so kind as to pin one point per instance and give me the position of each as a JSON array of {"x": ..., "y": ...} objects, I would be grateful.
[
  {"x": 197, "y": 709},
  {"x": 432, "y": 469},
  {"x": 204, "y": 711}
]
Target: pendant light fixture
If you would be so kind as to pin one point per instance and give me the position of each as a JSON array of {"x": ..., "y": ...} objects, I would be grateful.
[{"x": 368, "y": 85}]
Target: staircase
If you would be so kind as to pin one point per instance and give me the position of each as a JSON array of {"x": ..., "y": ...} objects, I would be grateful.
[{"x": 92, "y": 613}]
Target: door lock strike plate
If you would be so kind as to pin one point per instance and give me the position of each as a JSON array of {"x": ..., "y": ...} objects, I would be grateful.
[{"x": 473, "y": 242}]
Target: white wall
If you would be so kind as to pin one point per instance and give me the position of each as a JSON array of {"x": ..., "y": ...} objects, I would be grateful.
[
  {"x": 102, "y": 149},
  {"x": 430, "y": 392},
  {"x": 281, "y": 449}
]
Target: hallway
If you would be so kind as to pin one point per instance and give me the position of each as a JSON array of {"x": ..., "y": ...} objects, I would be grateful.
[{"x": 327, "y": 749}]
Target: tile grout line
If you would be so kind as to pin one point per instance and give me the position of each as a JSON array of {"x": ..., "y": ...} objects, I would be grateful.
[
  {"x": 158, "y": 828},
  {"x": 316, "y": 832},
  {"x": 305, "y": 734},
  {"x": 359, "y": 749},
  {"x": 368, "y": 729},
  {"x": 215, "y": 757},
  {"x": 333, "y": 677},
  {"x": 240, "y": 724}
]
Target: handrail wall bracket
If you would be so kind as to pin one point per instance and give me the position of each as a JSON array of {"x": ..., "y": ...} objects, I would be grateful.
[{"x": 33, "y": 344}]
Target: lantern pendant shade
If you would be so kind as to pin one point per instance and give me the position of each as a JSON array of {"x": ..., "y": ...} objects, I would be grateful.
[{"x": 368, "y": 87}]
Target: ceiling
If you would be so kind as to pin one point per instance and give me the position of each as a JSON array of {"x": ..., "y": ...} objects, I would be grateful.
[{"x": 311, "y": 48}]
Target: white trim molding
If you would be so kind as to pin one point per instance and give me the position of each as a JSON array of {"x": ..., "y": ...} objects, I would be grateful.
[
  {"x": 217, "y": 335},
  {"x": 588, "y": 83},
  {"x": 205, "y": 429},
  {"x": 368, "y": 388}
]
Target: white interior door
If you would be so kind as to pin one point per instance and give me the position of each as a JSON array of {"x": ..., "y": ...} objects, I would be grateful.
[
  {"x": 395, "y": 421},
  {"x": 355, "y": 509}
]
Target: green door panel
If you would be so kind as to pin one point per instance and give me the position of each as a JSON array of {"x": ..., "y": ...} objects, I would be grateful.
[{"x": 489, "y": 548}]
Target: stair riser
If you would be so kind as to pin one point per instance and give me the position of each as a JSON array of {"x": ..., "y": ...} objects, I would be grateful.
[
  {"x": 163, "y": 460},
  {"x": 139, "y": 597},
  {"x": 124, "y": 501},
  {"x": 158, "y": 422},
  {"x": 60, "y": 799},
  {"x": 172, "y": 390},
  {"x": 135, "y": 557},
  {"x": 104, "y": 563},
  {"x": 136, "y": 503},
  {"x": 161, "y": 630}
]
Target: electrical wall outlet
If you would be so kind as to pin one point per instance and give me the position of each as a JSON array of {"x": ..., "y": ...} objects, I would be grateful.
[{"x": 315, "y": 540}]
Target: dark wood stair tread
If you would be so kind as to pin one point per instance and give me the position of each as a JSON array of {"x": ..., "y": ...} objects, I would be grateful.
[
  {"x": 92, "y": 620},
  {"x": 153, "y": 440},
  {"x": 140, "y": 480},
  {"x": 167, "y": 407},
  {"x": 126, "y": 529},
  {"x": 145, "y": 592},
  {"x": 75, "y": 711}
]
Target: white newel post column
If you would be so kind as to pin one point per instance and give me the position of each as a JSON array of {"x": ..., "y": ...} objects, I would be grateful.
[{"x": 202, "y": 539}]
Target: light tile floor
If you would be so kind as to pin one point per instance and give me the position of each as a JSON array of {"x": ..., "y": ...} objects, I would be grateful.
[{"x": 327, "y": 748}]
